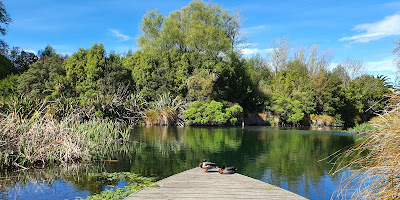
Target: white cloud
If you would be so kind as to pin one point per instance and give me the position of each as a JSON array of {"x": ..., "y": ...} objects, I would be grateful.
[
  {"x": 242, "y": 45},
  {"x": 119, "y": 35},
  {"x": 30, "y": 51},
  {"x": 382, "y": 65},
  {"x": 254, "y": 29},
  {"x": 386, "y": 67},
  {"x": 253, "y": 51},
  {"x": 389, "y": 26},
  {"x": 66, "y": 53}
]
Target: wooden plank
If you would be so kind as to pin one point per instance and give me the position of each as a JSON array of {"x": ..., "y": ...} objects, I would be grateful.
[{"x": 195, "y": 184}]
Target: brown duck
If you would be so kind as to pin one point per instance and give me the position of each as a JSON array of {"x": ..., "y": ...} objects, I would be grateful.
[{"x": 226, "y": 170}]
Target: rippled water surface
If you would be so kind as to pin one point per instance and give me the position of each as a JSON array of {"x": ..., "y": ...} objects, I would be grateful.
[{"x": 287, "y": 158}]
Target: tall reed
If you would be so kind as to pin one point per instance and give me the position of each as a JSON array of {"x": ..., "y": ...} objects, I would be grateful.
[
  {"x": 41, "y": 139},
  {"x": 375, "y": 160}
]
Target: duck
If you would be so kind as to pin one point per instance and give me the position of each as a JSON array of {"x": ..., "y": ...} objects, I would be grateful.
[
  {"x": 204, "y": 164},
  {"x": 226, "y": 170}
]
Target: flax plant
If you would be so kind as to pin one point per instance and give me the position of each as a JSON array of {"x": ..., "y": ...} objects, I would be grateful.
[{"x": 166, "y": 111}]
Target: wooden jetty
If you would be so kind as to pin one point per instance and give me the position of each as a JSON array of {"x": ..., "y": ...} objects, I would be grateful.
[{"x": 195, "y": 184}]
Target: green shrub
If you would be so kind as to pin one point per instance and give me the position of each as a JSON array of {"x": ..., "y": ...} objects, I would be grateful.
[
  {"x": 361, "y": 128},
  {"x": 337, "y": 120},
  {"x": 213, "y": 113},
  {"x": 271, "y": 121}
]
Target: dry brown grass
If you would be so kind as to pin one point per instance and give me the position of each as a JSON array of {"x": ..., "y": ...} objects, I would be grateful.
[
  {"x": 37, "y": 140},
  {"x": 40, "y": 140},
  {"x": 375, "y": 159}
]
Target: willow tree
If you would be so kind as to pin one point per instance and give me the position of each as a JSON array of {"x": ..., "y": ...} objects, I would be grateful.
[
  {"x": 190, "y": 53},
  {"x": 199, "y": 27}
]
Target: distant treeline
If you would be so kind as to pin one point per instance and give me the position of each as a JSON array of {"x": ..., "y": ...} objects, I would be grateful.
[{"x": 193, "y": 55}]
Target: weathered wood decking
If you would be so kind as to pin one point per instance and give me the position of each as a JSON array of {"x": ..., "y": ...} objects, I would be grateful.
[{"x": 195, "y": 184}]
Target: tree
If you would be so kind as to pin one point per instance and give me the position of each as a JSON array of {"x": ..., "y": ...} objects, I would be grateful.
[
  {"x": 340, "y": 72},
  {"x": 8, "y": 86},
  {"x": 280, "y": 48},
  {"x": 42, "y": 79},
  {"x": 90, "y": 72},
  {"x": 313, "y": 58},
  {"x": 199, "y": 27},
  {"x": 369, "y": 95},
  {"x": 291, "y": 97},
  {"x": 350, "y": 69},
  {"x": 115, "y": 76},
  {"x": 327, "y": 90},
  {"x": 5, "y": 20},
  {"x": 75, "y": 69},
  {"x": 259, "y": 75},
  {"x": 201, "y": 84},
  {"x": 6, "y": 67},
  {"x": 233, "y": 82},
  {"x": 48, "y": 52},
  {"x": 21, "y": 59},
  {"x": 85, "y": 70}
]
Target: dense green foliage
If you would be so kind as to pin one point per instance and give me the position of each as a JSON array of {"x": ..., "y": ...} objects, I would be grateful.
[
  {"x": 213, "y": 113},
  {"x": 361, "y": 128},
  {"x": 198, "y": 27},
  {"x": 190, "y": 54}
]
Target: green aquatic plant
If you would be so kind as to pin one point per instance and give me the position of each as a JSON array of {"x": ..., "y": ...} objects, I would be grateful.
[{"x": 134, "y": 181}]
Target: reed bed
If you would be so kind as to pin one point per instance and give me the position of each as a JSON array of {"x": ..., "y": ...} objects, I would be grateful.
[
  {"x": 40, "y": 140},
  {"x": 375, "y": 159}
]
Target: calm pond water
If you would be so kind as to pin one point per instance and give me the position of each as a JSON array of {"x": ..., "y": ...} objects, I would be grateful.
[{"x": 287, "y": 158}]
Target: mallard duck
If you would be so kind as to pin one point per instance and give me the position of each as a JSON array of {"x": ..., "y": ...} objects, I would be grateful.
[
  {"x": 226, "y": 170},
  {"x": 207, "y": 165}
]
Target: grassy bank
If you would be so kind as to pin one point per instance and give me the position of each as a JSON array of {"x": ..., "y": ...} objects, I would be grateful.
[
  {"x": 40, "y": 139},
  {"x": 375, "y": 159}
]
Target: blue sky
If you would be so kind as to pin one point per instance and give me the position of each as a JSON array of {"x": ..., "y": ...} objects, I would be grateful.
[{"x": 362, "y": 30}]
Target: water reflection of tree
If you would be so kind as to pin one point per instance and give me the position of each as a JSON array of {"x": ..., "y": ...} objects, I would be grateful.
[
  {"x": 75, "y": 173},
  {"x": 284, "y": 157},
  {"x": 289, "y": 156},
  {"x": 172, "y": 149}
]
